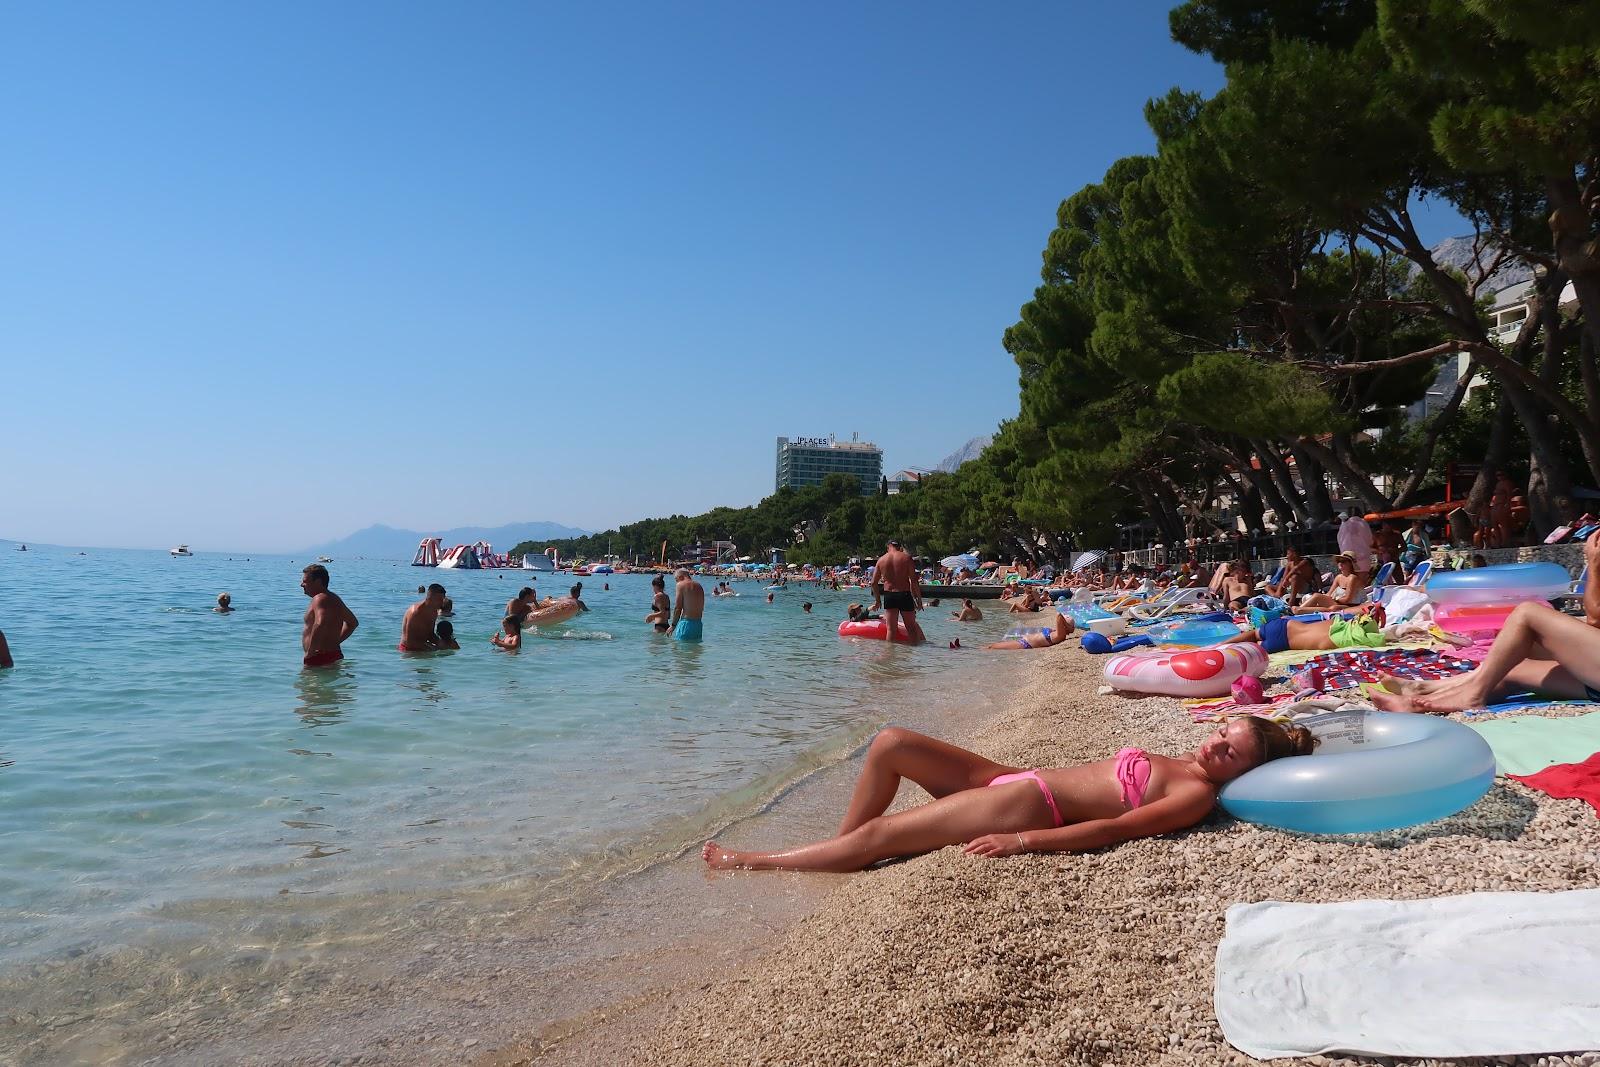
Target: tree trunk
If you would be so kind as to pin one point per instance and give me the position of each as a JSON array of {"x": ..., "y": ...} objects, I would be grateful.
[
  {"x": 1494, "y": 455},
  {"x": 1345, "y": 469},
  {"x": 1424, "y": 460},
  {"x": 1313, "y": 484},
  {"x": 1284, "y": 481}
]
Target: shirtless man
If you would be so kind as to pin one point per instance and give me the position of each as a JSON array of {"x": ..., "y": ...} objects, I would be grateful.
[
  {"x": 1239, "y": 585},
  {"x": 968, "y": 613},
  {"x": 1363, "y": 630},
  {"x": 895, "y": 588},
  {"x": 1299, "y": 576},
  {"x": 416, "y": 629},
  {"x": 519, "y": 606},
  {"x": 687, "y": 607},
  {"x": 328, "y": 622},
  {"x": 224, "y": 604}
]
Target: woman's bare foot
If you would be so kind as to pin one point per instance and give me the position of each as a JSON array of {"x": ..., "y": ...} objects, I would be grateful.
[
  {"x": 719, "y": 858},
  {"x": 1433, "y": 702}
]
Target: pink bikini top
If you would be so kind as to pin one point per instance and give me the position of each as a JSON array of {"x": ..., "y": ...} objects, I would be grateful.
[{"x": 1133, "y": 775}]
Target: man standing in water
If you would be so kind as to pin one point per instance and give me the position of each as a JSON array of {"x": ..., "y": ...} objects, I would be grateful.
[
  {"x": 896, "y": 589},
  {"x": 416, "y": 629},
  {"x": 687, "y": 607},
  {"x": 328, "y": 622}
]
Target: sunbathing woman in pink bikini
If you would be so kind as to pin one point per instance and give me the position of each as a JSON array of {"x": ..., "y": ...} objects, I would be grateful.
[{"x": 1001, "y": 811}]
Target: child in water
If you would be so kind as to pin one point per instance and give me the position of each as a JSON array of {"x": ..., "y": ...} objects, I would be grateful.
[{"x": 445, "y": 635}]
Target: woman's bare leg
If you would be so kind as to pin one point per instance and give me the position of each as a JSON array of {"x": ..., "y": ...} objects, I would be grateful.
[
  {"x": 937, "y": 766},
  {"x": 950, "y": 820},
  {"x": 1535, "y": 639}
]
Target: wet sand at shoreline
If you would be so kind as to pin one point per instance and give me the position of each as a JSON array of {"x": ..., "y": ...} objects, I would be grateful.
[{"x": 1099, "y": 958}]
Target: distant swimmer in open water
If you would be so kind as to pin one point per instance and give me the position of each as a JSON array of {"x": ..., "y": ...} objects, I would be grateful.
[
  {"x": 806, "y": 607},
  {"x": 224, "y": 604},
  {"x": 895, "y": 588},
  {"x": 328, "y": 623},
  {"x": 416, "y": 629},
  {"x": 687, "y": 607},
  {"x": 660, "y": 606}
]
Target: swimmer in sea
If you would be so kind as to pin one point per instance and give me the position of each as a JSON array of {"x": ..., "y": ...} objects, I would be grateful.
[
  {"x": 509, "y": 636},
  {"x": 520, "y": 605},
  {"x": 416, "y": 629},
  {"x": 1058, "y": 633},
  {"x": 447, "y": 609},
  {"x": 224, "y": 604},
  {"x": 445, "y": 635},
  {"x": 995, "y": 810},
  {"x": 687, "y": 607},
  {"x": 769, "y": 598},
  {"x": 968, "y": 613},
  {"x": 806, "y": 607},
  {"x": 660, "y": 605},
  {"x": 575, "y": 591},
  {"x": 328, "y": 622}
]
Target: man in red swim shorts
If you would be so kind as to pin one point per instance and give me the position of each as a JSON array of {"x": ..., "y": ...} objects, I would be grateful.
[{"x": 328, "y": 621}]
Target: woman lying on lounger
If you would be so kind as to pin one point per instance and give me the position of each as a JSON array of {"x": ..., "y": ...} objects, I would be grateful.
[
  {"x": 1541, "y": 649},
  {"x": 1001, "y": 811}
]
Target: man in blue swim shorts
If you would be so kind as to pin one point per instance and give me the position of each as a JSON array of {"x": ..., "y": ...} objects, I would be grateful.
[{"x": 687, "y": 606}]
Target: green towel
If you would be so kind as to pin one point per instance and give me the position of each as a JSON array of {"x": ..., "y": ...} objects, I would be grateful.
[{"x": 1527, "y": 744}]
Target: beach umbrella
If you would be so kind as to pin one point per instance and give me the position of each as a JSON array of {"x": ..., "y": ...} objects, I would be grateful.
[
  {"x": 1087, "y": 560},
  {"x": 956, "y": 562}
]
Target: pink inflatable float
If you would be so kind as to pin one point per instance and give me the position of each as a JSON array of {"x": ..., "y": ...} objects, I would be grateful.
[
  {"x": 876, "y": 629},
  {"x": 1199, "y": 672}
]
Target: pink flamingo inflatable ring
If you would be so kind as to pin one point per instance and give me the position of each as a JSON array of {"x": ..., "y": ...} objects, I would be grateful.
[{"x": 1195, "y": 672}]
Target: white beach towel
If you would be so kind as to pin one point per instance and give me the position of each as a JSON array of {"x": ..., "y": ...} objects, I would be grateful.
[{"x": 1486, "y": 974}]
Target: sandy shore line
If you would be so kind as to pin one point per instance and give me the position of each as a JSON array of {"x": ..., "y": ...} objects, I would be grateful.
[{"x": 1103, "y": 958}]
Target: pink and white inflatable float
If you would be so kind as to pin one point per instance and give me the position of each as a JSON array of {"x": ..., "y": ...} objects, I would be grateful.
[{"x": 1196, "y": 672}]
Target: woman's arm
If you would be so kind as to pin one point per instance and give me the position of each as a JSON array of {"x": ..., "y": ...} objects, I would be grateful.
[{"x": 1176, "y": 812}]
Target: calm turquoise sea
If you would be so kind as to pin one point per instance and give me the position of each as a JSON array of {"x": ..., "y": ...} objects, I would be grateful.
[{"x": 170, "y": 774}]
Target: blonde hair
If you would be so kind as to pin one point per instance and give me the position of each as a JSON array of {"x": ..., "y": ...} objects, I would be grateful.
[{"x": 1278, "y": 740}]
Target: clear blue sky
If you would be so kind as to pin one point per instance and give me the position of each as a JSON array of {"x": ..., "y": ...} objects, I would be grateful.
[{"x": 274, "y": 272}]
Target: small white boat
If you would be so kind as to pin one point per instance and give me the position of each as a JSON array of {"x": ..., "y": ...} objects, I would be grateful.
[
  {"x": 324, "y": 559},
  {"x": 181, "y": 550}
]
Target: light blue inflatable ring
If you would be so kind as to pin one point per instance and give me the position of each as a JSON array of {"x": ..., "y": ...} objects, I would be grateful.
[
  {"x": 1372, "y": 770},
  {"x": 1507, "y": 583}
]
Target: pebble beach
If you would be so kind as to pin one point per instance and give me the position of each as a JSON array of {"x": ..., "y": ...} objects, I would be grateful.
[{"x": 1098, "y": 958}]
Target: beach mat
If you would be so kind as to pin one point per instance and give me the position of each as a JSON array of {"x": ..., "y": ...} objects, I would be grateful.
[
  {"x": 1486, "y": 974},
  {"x": 1527, "y": 744}
]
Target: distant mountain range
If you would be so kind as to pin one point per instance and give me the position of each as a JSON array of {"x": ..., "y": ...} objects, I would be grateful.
[
  {"x": 968, "y": 451},
  {"x": 1456, "y": 252},
  {"x": 386, "y": 542}
]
